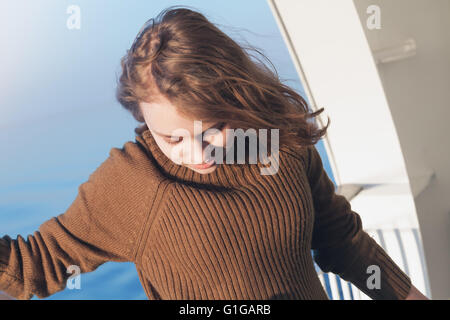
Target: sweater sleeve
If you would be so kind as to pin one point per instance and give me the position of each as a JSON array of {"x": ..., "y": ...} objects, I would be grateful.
[
  {"x": 341, "y": 246},
  {"x": 102, "y": 224}
]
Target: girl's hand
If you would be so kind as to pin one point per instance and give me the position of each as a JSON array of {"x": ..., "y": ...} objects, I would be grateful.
[
  {"x": 4, "y": 296},
  {"x": 415, "y": 294}
]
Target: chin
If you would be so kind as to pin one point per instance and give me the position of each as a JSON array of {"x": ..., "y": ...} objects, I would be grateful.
[{"x": 205, "y": 171}]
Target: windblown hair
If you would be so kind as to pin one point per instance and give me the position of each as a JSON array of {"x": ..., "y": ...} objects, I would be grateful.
[{"x": 208, "y": 76}]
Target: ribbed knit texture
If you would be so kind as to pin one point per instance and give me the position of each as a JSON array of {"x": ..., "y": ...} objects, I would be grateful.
[{"x": 230, "y": 234}]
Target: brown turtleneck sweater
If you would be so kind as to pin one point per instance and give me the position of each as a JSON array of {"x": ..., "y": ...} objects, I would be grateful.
[{"x": 230, "y": 234}]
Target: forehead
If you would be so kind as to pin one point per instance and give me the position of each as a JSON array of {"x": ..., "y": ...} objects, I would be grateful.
[{"x": 163, "y": 117}]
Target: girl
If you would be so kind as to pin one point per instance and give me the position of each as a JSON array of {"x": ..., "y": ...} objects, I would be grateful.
[{"x": 205, "y": 229}]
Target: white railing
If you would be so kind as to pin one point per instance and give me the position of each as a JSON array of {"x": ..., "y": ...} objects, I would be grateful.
[{"x": 404, "y": 246}]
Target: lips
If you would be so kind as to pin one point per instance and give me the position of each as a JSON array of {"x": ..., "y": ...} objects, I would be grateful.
[{"x": 205, "y": 165}]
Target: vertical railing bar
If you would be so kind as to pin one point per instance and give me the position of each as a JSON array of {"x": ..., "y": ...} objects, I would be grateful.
[
  {"x": 351, "y": 291},
  {"x": 381, "y": 237},
  {"x": 328, "y": 286},
  {"x": 341, "y": 293},
  {"x": 422, "y": 261},
  {"x": 402, "y": 250}
]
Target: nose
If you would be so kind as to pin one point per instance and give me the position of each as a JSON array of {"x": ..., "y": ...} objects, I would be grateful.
[{"x": 199, "y": 153}]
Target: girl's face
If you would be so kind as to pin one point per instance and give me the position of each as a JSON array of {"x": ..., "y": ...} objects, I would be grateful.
[{"x": 182, "y": 140}]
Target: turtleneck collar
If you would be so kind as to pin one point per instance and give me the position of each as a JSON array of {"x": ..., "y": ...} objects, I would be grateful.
[{"x": 225, "y": 175}]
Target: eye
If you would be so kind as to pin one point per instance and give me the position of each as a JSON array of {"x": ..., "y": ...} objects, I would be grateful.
[
  {"x": 219, "y": 126},
  {"x": 171, "y": 141}
]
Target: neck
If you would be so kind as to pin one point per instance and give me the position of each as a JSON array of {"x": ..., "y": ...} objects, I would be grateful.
[{"x": 225, "y": 175}]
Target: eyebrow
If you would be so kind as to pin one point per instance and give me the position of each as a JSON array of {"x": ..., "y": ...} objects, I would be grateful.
[{"x": 170, "y": 136}]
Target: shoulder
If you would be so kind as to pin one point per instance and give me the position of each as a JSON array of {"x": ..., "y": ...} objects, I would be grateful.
[
  {"x": 116, "y": 200},
  {"x": 124, "y": 185},
  {"x": 128, "y": 170},
  {"x": 134, "y": 158},
  {"x": 131, "y": 154},
  {"x": 296, "y": 154}
]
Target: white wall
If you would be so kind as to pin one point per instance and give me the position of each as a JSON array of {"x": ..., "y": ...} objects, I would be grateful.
[
  {"x": 388, "y": 121},
  {"x": 418, "y": 92}
]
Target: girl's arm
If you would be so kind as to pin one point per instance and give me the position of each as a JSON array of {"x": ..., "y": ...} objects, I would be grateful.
[
  {"x": 340, "y": 245},
  {"x": 102, "y": 224},
  {"x": 415, "y": 294}
]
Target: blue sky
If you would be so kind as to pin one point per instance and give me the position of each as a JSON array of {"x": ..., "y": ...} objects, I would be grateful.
[{"x": 58, "y": 114}]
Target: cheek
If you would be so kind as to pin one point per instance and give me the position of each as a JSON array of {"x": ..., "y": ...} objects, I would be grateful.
[
  {"x": 174, "y": 153},
  {"x": 220, "y": 140},
  {"x": 228, "y": 137}
]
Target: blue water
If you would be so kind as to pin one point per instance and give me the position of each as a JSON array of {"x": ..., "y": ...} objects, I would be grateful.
[{"x": 58, "y": 116}]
